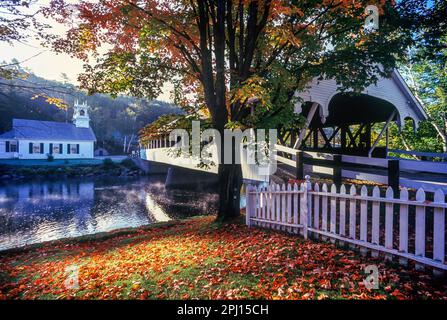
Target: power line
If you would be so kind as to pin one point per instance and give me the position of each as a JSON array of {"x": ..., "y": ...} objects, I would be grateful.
[{"x": 20, "y": 62}]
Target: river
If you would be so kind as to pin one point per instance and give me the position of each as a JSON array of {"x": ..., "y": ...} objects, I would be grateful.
[{"x": 38, "y": 211}]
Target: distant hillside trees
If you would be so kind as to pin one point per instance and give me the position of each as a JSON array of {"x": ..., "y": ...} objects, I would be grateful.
[{"x": 113, "y": 120}]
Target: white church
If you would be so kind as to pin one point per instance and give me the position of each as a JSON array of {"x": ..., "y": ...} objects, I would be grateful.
[{"x": 35, "y": 139}]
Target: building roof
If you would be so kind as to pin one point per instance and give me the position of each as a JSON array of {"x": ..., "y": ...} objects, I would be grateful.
[{"x": 47, "y": 130}]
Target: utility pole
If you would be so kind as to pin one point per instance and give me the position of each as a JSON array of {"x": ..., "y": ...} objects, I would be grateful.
[{"x": 444, "y": 121}]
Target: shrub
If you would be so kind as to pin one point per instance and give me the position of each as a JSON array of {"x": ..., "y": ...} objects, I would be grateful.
[
  {"x": 129, "y": 164},
  {"x": 108, "y": 163}
]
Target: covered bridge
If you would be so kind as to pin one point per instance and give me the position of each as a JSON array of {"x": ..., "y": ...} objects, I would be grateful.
[
  {"x": 341, "y": 122},
  {"x": 337, "y": 140}
]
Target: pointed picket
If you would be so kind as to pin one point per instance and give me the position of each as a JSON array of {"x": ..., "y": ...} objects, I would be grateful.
[
  {"x": 324, "y": 209},
  {"x": 389, "y": 219},
  {"x": 403, "y": 225},
  {"x": 309, "y": 203},
  {"x": 247, "y": 205},
  {"x": 283, "y": 205},
  {"x": 272, "y": 204},
  {"x": 342, "y": 225},
  {"x": 268, "y": 204},
  {"x": 420, "y": 224},
  {"x": 289, "y": 205},
  {"x": 278, "y": 205},
  {"x": 363, "y": 214},
  {"x": 261, "y": 203},
  {"x": 295, "y": 205},
  {"x": 439, "y": 228},
  {"x": 333, "y": 221},
  {"x": 352, "y": 213},
  {"x": 317, "y": 207},
  {"x": 303, "y": 210},
  {"x": 375, "y": 237},
  {"x": 264, "y": 207},
  {"x": 272, "y": 215}
]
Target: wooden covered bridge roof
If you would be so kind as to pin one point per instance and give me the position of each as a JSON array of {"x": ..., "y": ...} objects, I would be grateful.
[{"x": 375, "y": 104}]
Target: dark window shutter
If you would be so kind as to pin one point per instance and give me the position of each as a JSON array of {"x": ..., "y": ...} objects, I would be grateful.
[
  {"x": 17, "y": 144},
  {"x": 77, "y": 148},
  {"x": 68, "y": 148},
  {"x": 41, "y": 148},
  {"x": 61, "y": 151},
  {"x": 7, "y": 146},
  {"x": 30, "y": 147},
  {"x": 51, "y": 148}
]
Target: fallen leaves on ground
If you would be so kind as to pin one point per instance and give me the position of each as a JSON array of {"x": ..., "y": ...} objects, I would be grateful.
[{"x": 197, "y": 258}]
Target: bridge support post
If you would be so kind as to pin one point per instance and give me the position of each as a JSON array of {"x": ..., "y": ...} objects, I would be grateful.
[
  {"x": 299, "y": 165},
  {"x": 393, "y": 175},
  {"x": 337, "y": 177}
]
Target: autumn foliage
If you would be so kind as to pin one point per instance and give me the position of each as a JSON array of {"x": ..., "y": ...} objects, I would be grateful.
[
  {"x": 199, "y": 259},
  {"x": 238, "y": 62}
]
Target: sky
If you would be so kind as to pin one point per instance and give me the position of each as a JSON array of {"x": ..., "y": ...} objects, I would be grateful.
[{"x": 47, "y": 64}]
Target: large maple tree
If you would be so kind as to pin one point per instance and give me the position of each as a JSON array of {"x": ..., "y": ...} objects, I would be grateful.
[{"x": 239, "y": 61}]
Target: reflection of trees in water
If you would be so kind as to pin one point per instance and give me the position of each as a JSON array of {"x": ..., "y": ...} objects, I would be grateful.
[
  {"x": 40, "y": 211},
  {"x": 180, "y": 203},
  {"x": 23, "y": 205}
]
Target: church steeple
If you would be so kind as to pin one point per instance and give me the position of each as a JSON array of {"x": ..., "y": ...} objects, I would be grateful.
[{"x": 81, "y": 118}]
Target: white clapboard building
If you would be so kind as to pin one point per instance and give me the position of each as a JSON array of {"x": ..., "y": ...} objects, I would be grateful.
[{"x": 35, "y": 139}]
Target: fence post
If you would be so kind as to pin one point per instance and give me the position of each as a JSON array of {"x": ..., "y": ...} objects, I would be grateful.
[
  {"x": 337, "y": 170},
  {"x": 250, "y": 204},
  {"x": 393, "y": 175},
  {"x": 299, "y": 165}
]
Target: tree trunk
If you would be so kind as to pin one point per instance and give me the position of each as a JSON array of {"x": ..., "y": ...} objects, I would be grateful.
[{"x": 230, "y": 183}]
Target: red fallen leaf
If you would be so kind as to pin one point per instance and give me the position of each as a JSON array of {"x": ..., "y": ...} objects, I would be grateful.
[
  {"x": 144, "y": 295},
  {"x": 408, "y": 287},
  {"x": 161, "y": 296},
  {"x": 325, "y": 283},
  {"x": 398, "y": 295}
]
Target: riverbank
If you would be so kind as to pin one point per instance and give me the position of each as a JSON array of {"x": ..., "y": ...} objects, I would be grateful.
[
  {"x": 57, "y": 169},
  {"x": 197, "y": 258}
]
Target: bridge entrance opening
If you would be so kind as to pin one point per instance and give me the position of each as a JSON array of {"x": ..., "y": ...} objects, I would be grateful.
[{"x": 347, "y": 126}]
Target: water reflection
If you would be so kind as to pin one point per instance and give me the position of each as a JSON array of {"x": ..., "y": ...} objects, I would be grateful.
[{"x": 40, "y": 211}]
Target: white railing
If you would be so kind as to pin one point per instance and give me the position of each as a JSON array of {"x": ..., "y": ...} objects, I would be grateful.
[
  {"x": 398, "y": 228},
  {"x": 419, "y": 153},
  {"x": 378, "y": 170}
]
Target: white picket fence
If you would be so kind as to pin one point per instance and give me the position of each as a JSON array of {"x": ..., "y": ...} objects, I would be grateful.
[{"x": 333, "y": 214}]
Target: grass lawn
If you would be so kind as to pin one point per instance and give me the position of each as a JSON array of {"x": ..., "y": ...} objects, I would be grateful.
[{"x": 197, "y": 258}]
